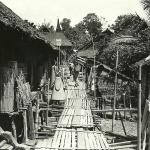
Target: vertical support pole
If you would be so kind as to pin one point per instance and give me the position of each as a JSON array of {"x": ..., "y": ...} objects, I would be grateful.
[
  {"x": 95, "y": 99},
  {"x": 32, "y": 75},
  {"x": 25, "y": 138},
  {"x": 13, "y": 127},
  {"x": 124, "y": 102},
  {"x": 31, "y": 122},
  {"x": 37, "y": 118},
  {"x": 59, "y": 57},
  {"x": 139, "y": 109},
  {"x": 115, "y": 94},
  {"x": 48, "y": 100}
]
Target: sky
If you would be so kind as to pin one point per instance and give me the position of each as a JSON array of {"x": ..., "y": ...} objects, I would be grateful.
[{"x": 38, "y": 11}]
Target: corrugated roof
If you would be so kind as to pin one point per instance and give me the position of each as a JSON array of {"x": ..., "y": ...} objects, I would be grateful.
[{"x": 58, "y": 35}]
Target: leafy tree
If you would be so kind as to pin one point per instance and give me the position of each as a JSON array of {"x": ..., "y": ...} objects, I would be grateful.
[
  {"x": 46, "y": 27},
  {"x": 129, "y": 52},
  {"x": 81, "y": 33},
  {"x": 92, "y": 24},
  {"x": 129, "y": 25},
  {"x": 65, "y": 24}
]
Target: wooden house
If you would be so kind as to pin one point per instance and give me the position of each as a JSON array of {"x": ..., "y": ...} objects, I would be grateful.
[
  {"x": 26, "y": 50},
  {"x": 60, "y": 41}
]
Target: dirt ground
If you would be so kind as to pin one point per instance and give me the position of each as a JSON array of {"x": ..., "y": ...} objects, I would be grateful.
[{"x": 130, "y": 127}]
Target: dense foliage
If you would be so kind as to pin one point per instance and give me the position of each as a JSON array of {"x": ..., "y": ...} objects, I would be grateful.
[
  {"x": 82, "y": 32},
  {"x": 129, "y": 52},
  {"x": 46, "y": 27}
]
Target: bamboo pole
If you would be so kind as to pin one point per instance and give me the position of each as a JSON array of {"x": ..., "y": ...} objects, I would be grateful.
[
  {"x": 115, "y": 94},
  {"x": 48, "y": 100},
  {"x": 116, "y": 110},
  {"x": 124, "y": 129},
  {"x": 25, "y": 138},
  {"x": 139, "y": 110},
  {"x": 124, "y": 102},
  {"x": 31, "y": 122}
]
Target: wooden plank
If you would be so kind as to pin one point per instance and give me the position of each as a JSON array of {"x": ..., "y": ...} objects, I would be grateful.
[
  {"x": 58, "y": 140},
  {"x": 62, "y": 140},
  {"x": 71, "y": 117},
  {"x": 55, "y": 139},
  {"x": 80, "y": 140},
  {"x": 67, "y": 143},
  {"x": 90, "y": 140},
  {"x": 73, "y": 140},
  {"x": 105, "y": 142},
  {"x": 116, "y": 110},
  {"x": 69, "y": 139},
  {"x": 101, "y": 141},
  {"x": 86, "y": 141},
  {"x": 97, "y": 141},
  {"x": 49, "y": 143},
  {"x": 91, "y": 135}
]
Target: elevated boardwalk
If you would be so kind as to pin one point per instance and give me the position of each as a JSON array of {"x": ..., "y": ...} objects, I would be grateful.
[{"x": 75, "y": 128}]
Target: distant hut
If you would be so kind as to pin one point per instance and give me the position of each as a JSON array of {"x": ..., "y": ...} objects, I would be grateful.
[{"x": 59, "y": 37}]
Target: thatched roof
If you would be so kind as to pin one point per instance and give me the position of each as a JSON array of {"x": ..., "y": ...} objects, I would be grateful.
[
  {"x": 58, "y": 35},
  {"x": 124, "y": 39},
  {"x": 87, "y": 53},
  {"x": 10, "y": 19}
]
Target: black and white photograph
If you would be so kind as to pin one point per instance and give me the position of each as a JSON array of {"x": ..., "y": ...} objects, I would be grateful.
[{"x": 74, "y": 74}]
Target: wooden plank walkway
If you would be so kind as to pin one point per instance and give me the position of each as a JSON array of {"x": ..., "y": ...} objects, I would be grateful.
[
  {"x": 76, "y": 118},
  {"x": 73, "y": 126}
]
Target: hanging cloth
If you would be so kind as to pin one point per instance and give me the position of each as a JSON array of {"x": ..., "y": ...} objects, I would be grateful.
[{"x": 58, "y": 92}]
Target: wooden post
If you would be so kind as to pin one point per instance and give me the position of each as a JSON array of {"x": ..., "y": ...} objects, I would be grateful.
[
  {"x": 124, "y": 103},
  {"x": 31, "y": 122},
  {"x": 13, "y": 127},
  {"x": 25, "y": 137},
  {"x": 122, "y": 123},
  {"x": 48, "y": 100},
  {"x": 59, "y": 57},
  {"x": 139, "y": 109},
  {"x": 115, "y": 94},
  {"x": 104, "y": 106},
  {"x": 37, "y": 118}
]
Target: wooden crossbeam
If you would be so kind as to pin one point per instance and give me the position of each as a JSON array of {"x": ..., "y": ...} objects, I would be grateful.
[{"x": 116, "y": 110}]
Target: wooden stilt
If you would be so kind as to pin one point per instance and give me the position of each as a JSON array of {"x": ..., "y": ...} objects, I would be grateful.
[
  {"x": 115, "y": 94},
  {"x": 31, "y": 122},
  {"x": 25, "y": 137},
  {"x": 13, "y": 128},
  {"x": 124, "y": 103},
  {"x": 139, "y": 109},
  {"x": 122, "y": 124},
  {"x": 37, "y": 118}
]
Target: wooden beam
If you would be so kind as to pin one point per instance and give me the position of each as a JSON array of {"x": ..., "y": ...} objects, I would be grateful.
[
  {"x": 116, "y": 110},
  {"x": 139, "y": 109}
]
